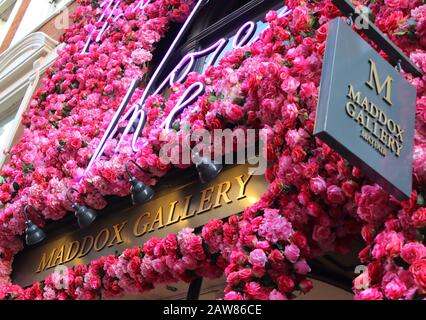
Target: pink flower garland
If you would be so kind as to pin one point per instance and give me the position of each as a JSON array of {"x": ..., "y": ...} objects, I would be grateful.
[{"x": 316, "y": 201}]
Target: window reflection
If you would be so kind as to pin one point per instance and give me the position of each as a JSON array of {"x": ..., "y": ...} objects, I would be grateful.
[{"x": 6, "y": 126}]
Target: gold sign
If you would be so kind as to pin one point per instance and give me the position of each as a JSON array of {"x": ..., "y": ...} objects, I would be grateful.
[
  {"x": 192, "y": 205},
  {"x": 380, "y": 131}
]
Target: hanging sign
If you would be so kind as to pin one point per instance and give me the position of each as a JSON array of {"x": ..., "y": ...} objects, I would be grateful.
[{"x": 366, "y": 110}]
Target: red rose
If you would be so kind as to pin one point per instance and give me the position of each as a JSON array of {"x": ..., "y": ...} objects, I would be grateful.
[
  {"x": 314, "y": 209},
  {"x": 109, "y": 174},
  {"x": 298, "y": 154},
  {"x": 335, "y": 195},
  {"x": 245, "y": 275},
  {"x": 299, "y": 240},
  {"x": 310, "y": 170},
  {"x": 4, "y": 196},
  {"x": 364, "y": 254},
  {"x": 75, "y": 143},
  {"x": 322, "y": 32},
  {"x": 419, "y": 218},
  {"x": 234, "y": 112},
  {"x": 276, "y": 256},
  {"x": 216, "y": 124},
  {"x": 134, "y": 265},
  {"x": 306, "y": 286},
  {"x": 375, "y": 271},
  {"x": 233, "y": 278},
  {"x": 418, "y": 270},
  {"x": 349, "y": 188},
  {"x": 285, "y": 284},
  {"x": 321, "y": 233},
  {"x": 367, "y": 233},
  {"x": 413, "y": 252}
]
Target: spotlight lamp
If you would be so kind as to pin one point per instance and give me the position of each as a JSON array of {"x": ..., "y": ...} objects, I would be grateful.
[
  {"x": 33, "y": 234},
  {"x": 85, "y": 216},
  {"x": 207, "y": 169},
  {"x": 141, "y": 193}
]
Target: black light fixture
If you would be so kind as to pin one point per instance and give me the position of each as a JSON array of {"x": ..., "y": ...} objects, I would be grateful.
[
  {"x": 33, "y": 234},
  {"x": 207, "y": 169},
  {"x": 141, "y": 193},
  {"x": 85, "y": 216}
]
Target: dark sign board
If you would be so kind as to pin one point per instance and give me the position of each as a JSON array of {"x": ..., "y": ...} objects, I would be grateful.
[
  {"x": 366, "y": 110},
  {"x": 190, "y": 205}
]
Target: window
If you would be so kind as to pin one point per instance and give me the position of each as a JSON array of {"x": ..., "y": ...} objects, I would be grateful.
[
  {"x": 20, "y": 69},
  {"x": 37, "y": 13},
  {"x": 56, "y": 5},
  {"x": 7, "y": 124},
  {"x": 6, "y": 12},
  {"x": 215, "y": 21}
]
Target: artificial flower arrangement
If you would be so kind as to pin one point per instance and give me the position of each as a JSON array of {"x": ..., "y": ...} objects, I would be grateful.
[{"x": 316, "y": 202}]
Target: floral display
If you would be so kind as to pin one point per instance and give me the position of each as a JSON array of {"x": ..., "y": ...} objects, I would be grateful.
[{"x": 316, "y": 201}]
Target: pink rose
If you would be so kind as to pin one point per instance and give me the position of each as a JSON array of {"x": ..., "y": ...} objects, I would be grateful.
[
  {"x": 255, "y": 290},
  {"x": 419, "y": 218},
  {"x": 397, "y": 4},
  {"x": 258, "y": 258},
  {"x": 292, "y": 253},
  {"x": 302, "y": 267},
  {"x": 413, "y": 252},
  {"x": 362, "y": 282},
  {"x": 395, "y": 289},
  {"x": 141, "y": 56},
  {"x": 290, "y": 85},
  {"x": 373, "y": 204},
  {"x": 388, "y": 244},
  {"x": 233, "y": 296},
  {"x": 369, "y": 294},
  {"x": 234, "y": 112},
  {"x": 318, "y": 185},
  {"x": 276, "y": 296},
  {"x": 275, "y": 227},
  {"x": 418, "y": 270},
  {"x": 75, "y": 143}
]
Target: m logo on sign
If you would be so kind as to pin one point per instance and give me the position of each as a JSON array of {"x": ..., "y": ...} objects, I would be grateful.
[{"x": 374, "y": 83}]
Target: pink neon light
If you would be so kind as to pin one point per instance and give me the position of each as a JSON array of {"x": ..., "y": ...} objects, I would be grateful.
[
  {"x": 237, "y": 43},
  {"x": 134, "y": 113},
  {"x": 141, "y": 5},
  {"x": 169, "y": 52},
  {"x": 216, "y": 48},
  {"x": 113, "y": 124},
  {"x": 141, "y": 125},
  {"x": 112, "y": 128},
  {"x": 106, "y": 26},
  {"x": 242, "y": 38},
  {"x": 188, "y": 97}
]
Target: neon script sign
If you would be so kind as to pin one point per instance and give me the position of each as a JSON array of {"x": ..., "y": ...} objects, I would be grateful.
[
  {"x": 136, "y": 115},
  {"x": 110, "y": 14}
]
